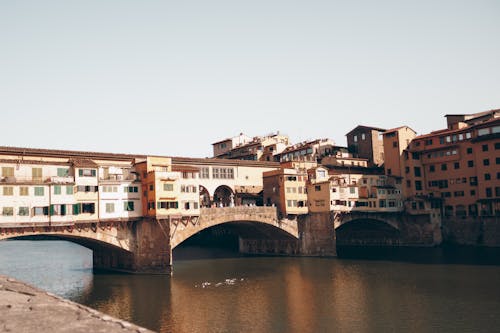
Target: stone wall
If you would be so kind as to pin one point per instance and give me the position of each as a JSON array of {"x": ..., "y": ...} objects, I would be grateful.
[
  {"x": 317, "y": 235},
  {"x": 479, "y": 231}
]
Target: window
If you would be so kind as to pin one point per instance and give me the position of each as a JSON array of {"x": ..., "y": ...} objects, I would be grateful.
[
  {"x": 456, "y": 165},
  {"x": 57, "y": 189},
  {"x": 497, "y": 145},
  {"x": 483, "y": 131},
  {"x": 7, "y": 171},
  {"x": 168, "y": 187},
  {"x": 69, "y": 189},
  {"x": 486, "y": 162},
  {"x": 444, "y": 167},
  {"x": 87, "y": 172},
  {"x": 408, "y": 183},
  {"x": 111, "y": 189},
  {"x": 407, "y": 169},
  {"x": 497, "y": 160},
  {"x": 487, "y": 176},
  {"x": 415, "y": 156},
  {"x": 38, "y": 211},
  {"x": 82, "y": 188},
  {"x": 24, "y": 211},
  {"x": 497, "y": 191},
  {"x": 489, "y": 192},
  {"x": 473, "y": 181},
  {"x": 131, "y": 189},
  {"x": 110, "y": 207},
  {"x": 8, "y": 190},
  {"x": 8, "y": 211},
  {"x": 317, "y": 188},
  {"x": 469, "y": 151},
  {"x": 24, "y": 190},
  {"x": 470, "y": 164},
  {"x": 36, "y": 173},
  {"x": 88, "y": 208},
  {"x": 168, "y": 204},
  {"x": 432, "y": 168},
  {"x": 352, "y": 190},
  {"x": 417, "y": 171},
  {"x": 62, "y": 172},
  {"x": 458, "y": 193},
  {"x": 223, "y": 173},
  {"x": 39, "y": 191},
  {"x": 128, "y": 206},
  {"x": 418, "y": 185},
  {"x": 485, "y": 147},
  {"x": 363, "y": 136},
  {"x": 355, "y": 138},
  {"x": 472, "y": 193},
  {"x": 395, "y": 144},
  {"x": 205, "y": 173}
]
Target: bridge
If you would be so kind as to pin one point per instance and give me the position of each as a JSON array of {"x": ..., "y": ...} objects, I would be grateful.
[{"x": 146, "y": 244}]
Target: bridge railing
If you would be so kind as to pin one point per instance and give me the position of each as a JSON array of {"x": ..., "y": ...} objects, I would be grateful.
[{"x": 243, "y": 210}]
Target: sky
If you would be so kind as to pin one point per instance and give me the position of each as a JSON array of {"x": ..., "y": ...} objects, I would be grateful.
[{"x": 172, "y": 77}]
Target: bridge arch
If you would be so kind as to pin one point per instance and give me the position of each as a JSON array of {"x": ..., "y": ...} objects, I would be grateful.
[
  {"x": 260, "y": 217},
  {"x": 111, "y": 245},
  {"x": 367, "y": 231}
]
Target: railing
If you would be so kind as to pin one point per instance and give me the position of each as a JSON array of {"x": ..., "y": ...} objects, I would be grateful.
[{"x": 37, "y": 180}]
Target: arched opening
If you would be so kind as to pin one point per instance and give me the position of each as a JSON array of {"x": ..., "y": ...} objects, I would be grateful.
[
  {"x": 227, "y": 240},
  {"x": 204, "y": 197},
  {"x": 366, "y": 232},
  {"x": 224, "y": 196},
  {"x": 105, "y": 256}
]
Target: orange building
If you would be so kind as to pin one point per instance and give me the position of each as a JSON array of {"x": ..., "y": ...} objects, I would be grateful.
[{"x": 458, "y": 166}]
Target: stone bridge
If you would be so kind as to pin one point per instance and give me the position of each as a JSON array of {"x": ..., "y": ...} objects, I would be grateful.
[{"x": 145, "y": 244}]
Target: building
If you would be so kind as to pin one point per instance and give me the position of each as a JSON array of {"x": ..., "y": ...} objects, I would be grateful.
[
  {"x": 285, "y": 188},
  {"x": 54, "y": 187},
  {"x": 458, "y": 168},
  {"x": 342, "y": 189},
  {"x": 311, "y": 151},
  {"x": 259, "y": 148},
  {"x": 222, "y": 147},
  {"x": 367, "y": 142}
]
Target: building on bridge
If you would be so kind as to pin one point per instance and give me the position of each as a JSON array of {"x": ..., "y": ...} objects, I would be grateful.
[
  {"x": 345, "y": 189},
  {"x": 51, "y": 187}
]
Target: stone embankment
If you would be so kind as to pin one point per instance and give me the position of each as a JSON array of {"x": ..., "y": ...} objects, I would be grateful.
[{"x": 26, "y": 309}]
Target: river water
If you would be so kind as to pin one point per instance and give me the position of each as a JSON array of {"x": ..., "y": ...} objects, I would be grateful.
[{"x": 391, "y": 290}]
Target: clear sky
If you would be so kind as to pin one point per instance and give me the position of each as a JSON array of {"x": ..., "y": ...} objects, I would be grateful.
[{"x": 172, "y": 77}]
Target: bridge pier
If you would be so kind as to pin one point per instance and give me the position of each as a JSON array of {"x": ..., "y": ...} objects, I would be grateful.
[
  {"x": 153, "y": 252},
  {"x": 317, "y": 234}
]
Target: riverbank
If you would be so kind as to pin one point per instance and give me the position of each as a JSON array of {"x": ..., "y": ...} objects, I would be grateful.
[{"x": 24, "y": 308}]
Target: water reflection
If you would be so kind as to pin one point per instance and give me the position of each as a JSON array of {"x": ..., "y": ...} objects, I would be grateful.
[{"x": 274, "y": 294}]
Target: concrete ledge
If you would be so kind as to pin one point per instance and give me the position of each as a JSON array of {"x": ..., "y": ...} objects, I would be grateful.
[{"x": 26, "y": 309}]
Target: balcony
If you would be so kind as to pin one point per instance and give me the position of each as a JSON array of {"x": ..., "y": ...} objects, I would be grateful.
[
  {"x": 119, "y": 178},
  {"x": 37, "y": 180}
]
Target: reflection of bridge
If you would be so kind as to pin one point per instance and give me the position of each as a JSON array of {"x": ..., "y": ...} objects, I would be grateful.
[{"x": 146, "y": 244}]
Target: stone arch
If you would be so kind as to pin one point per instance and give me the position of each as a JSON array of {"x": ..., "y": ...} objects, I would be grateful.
[
  {"x": 111, "y": 246},
  {"x": 205, "y": 200},
  {"x": 182, "y": 230},
  {"x": 367, "y": 231},
  {"x": 223, "y": 196}
]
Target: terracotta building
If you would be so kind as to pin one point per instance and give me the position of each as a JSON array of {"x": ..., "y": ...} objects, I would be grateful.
[
  {"x": 459, "y": 165},
  {"x": 367, "y": 142}
]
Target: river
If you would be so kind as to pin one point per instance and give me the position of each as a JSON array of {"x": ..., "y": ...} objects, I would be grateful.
[{"x": 376, "y": 290}]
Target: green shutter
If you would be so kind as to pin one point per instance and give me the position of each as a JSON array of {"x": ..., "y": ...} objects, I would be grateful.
[
  {"x": 93, "y": 173},
  {"x": 51, "y": 210},
  {"x": 80, "y": 172},
  {"x": 76, "y": 209}
]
